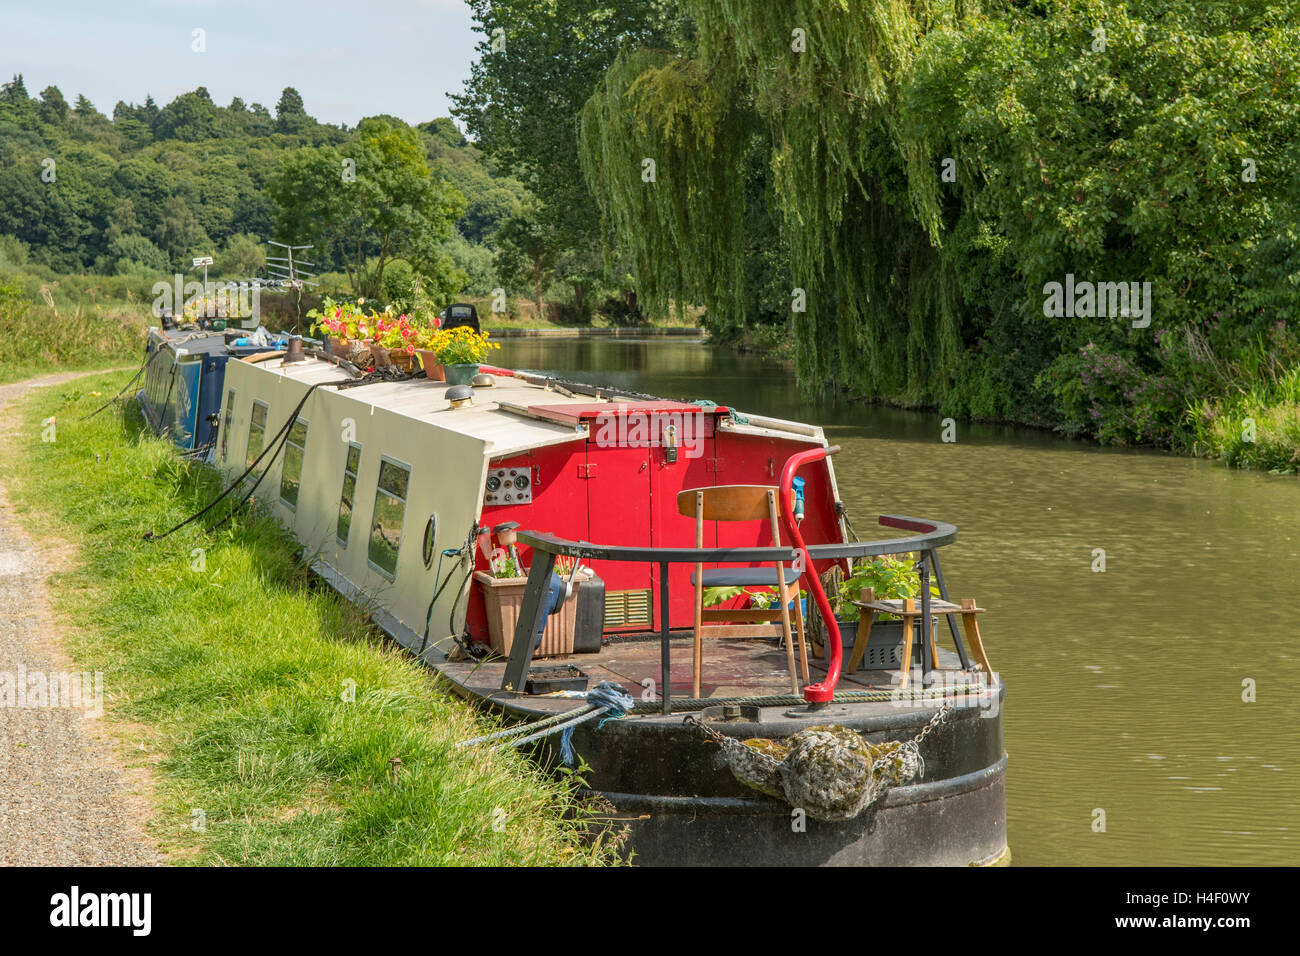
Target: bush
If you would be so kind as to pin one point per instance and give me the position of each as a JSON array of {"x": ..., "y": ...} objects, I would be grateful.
[
  {"x": 623, "y": 310},
  {"x": 569, "y": 313},
  {"x": 398, "y": 283}
]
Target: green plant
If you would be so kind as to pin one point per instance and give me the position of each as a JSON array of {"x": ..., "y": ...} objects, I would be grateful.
[
  {"x": 505, "y": 566},
  {"x": 339, "y": 319},
  {"x": 762, "y": 599},
  {"x": 893, "y": 577},
  {"x": 460, "y": 345}
]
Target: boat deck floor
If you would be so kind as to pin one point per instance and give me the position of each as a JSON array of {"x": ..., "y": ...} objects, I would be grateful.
[{"x": 732, "y": 667}]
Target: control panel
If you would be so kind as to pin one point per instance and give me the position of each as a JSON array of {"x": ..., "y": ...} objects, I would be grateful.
[{"x": 509, "y": 486}]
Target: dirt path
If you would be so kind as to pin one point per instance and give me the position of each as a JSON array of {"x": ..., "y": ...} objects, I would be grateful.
[{"x": 65, "y": 796}]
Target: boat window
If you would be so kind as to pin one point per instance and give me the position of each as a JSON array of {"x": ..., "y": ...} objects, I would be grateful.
[
  {"x": 256, "y": 432},
  {"x": 291, "y": 474},
  {"x": 390, "y": 508},
  {"x": 350, "y": 469},
  {"x": 225, "y": 429}
]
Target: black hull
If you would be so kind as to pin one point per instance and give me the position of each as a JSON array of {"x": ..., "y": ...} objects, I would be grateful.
[{"x": 665, "y": 782}]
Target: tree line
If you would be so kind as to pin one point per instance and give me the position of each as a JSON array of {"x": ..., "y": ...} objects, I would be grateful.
[
  {"x": 138, "y": 194},
  {"x": 895, "y": 186}
]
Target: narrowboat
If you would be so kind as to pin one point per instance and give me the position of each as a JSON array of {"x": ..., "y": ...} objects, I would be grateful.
[
  {"x": 549, "y": 549},
  {"x": 183, "y": 371}
]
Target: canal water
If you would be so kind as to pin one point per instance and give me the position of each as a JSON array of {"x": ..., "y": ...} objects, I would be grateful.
[{"x": 1128, "y": 689}]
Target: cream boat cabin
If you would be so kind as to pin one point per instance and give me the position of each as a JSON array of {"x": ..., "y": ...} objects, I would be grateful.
[{"x": 379, "y": 479}]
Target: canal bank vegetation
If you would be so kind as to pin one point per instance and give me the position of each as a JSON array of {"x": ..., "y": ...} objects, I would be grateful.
[
  {"x": 908, "y": 188},
  {"x": 63, "y": 332},
  {"x": 279, "y": 729}
]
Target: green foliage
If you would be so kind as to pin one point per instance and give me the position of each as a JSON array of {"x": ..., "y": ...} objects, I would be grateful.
[
  {"x": 521, "y": 104},
  {"x": 36, "y": 338},
  {"x": 1164, "y": 151},
  {"x": 152, "y": 187},
  {"x": 526, "y": 251},
  {"x": 372, "y": 200},
  {"x": 893, "y": 577}
]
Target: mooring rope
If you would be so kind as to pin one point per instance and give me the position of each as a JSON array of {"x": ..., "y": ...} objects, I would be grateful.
[
  {"x": 520, "y": 728},
  {"x": 604, "y": 699},
  {"x": 778, "y": 700},
  {"x": 138, "y": 372}
]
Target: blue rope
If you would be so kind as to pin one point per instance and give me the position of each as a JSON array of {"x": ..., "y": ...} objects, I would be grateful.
[
  {"x": 736, "y": 416},
  {"x": 617, "y": 703}
]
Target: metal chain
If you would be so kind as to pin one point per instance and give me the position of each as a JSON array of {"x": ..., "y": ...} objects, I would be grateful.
[
  {"x": 915, "y": 743},
  {"x": 939, "y": 717}
]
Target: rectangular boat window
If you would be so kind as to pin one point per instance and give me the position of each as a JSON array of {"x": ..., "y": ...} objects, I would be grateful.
[
  {"x": 386, "y": 525},
  {"x": 291, "y": 474},
  {"x": 350, "y": 469},
  {"x": 225, "y": 429},
  {"x": 256, "y": 432}
]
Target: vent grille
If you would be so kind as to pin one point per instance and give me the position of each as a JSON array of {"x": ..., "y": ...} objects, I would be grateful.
[{"x": 625, "y": 608}]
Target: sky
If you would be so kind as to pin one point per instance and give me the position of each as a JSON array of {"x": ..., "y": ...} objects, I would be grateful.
[{"x": 348, "y": 58}]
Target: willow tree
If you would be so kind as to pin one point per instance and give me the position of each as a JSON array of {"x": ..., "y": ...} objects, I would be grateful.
[{"x": 874, "y": 303}]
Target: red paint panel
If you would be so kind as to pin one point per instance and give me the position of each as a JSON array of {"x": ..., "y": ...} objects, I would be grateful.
[{"x": 627, "y": 495}]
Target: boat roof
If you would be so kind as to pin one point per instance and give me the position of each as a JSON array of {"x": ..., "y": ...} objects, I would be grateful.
[{"x": 515, "y": 414}]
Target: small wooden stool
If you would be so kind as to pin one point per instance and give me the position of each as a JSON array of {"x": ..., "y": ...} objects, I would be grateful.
[{"x": 908, "y": 610}]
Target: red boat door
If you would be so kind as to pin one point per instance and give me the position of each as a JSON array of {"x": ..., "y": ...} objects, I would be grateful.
[{"x": 619, "y": 512}]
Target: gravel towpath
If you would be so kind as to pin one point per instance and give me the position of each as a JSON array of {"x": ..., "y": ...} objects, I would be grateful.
[{"x": 66, "y": 799}]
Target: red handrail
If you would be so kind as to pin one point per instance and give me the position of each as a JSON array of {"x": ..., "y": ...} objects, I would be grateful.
[{"x": 824, "y": 692}]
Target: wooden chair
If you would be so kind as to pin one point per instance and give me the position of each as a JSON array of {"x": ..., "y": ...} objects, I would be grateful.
[
  {"x": 743, "y": 503},
  {"x": 909, "y": 610}
]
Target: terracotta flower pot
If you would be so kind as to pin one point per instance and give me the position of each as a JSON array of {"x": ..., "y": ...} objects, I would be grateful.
[
  {"x": 504, "y": 599},
  {"x": 402, "y": 359},
  {"x": 432, "y": 367},
  {"x": 378, "y": 355}
]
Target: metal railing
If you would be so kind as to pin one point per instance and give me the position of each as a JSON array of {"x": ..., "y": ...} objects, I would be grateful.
[{"x": 929, "y": 537}]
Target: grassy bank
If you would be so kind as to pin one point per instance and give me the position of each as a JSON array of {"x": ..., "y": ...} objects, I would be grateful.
[
  {"x": 229, "y": 664},
  {"x": 47, "y": 335},
  {"x": 1256, "y": 427}
]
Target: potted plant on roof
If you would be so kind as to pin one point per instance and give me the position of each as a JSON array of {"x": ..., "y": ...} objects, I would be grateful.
[
  {"x": 397, "y": 336},
  {"x": 460, "y": 351},
  {"x": 426, "y": 322},
  {"x": 425, "y": 351},
  {"x": 338, "y": 322}
]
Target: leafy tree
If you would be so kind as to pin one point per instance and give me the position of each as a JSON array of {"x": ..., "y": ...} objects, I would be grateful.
[
  {"x": 190, "y": 117},
  {"x": 54, "y": 108},
  {"x": 178, "y": 232},
  {"x": 132, "y": 252},
  {"x": 372, "y": 201},
  {"x": 538, "y": 63},
  {"x": 526, "y": 253},
  {"x": 243, "y": 256},
  {"x": 928, "y": 168},
  {"x": 290, "y": 114}
]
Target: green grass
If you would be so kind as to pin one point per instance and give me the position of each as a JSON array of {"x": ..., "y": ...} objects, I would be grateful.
[
  {"x": 232, "y": 673},
  {"x": 1256, "y": 427},
  {"x": 45, "y": 337}
]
